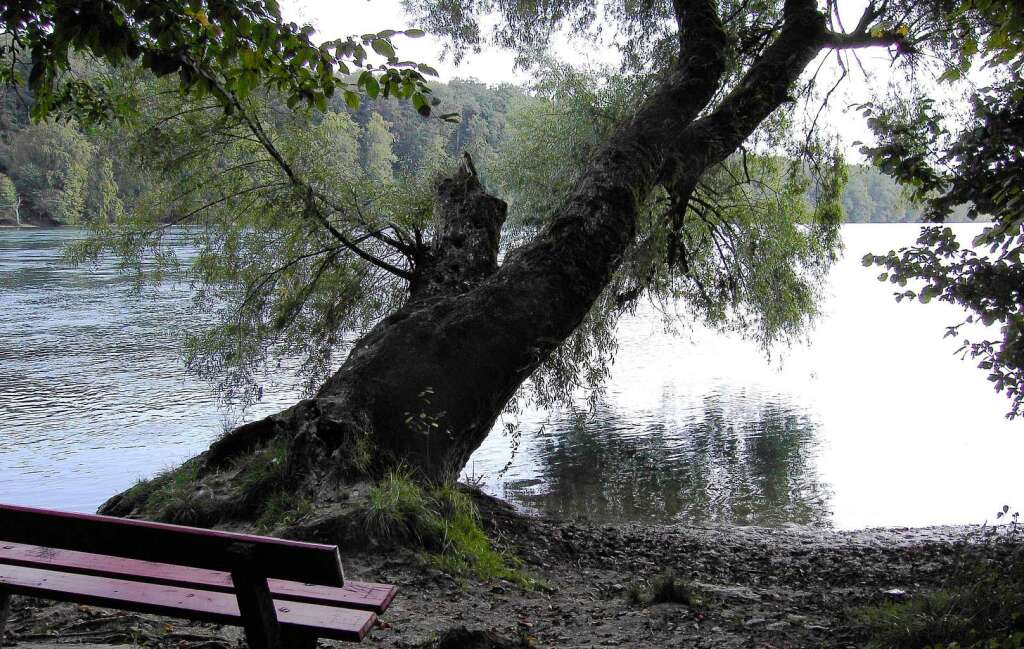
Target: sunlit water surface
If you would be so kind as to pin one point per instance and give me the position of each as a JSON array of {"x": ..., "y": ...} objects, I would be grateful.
[{"x": 875, "y": 422}]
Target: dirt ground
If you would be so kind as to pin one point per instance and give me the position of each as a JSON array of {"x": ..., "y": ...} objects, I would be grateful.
[{"x": 760, "y": 587}]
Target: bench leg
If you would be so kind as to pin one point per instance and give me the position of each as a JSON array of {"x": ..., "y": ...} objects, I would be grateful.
[
  {"x": 5, "y": 612},
  {"x": 292, "y": 639},
  {"x": 259, "y": 617}
]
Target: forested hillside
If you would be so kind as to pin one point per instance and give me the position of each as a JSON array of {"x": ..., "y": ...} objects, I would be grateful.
[
  {"x": 56, "y": 173},
  {"x": 872, "y": 197},
  {"x": 53, "y": 173},
  {"x": 59, "y": 174}
]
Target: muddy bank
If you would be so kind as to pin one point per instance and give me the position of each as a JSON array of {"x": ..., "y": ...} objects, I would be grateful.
[{"x": 758, "y": 587}]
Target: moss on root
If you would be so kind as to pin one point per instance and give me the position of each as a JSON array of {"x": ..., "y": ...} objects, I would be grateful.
[
  {"x": 170, "y": 491},
  {"x": 253, "y": 488},
  {"x": 255, "y": 491}
]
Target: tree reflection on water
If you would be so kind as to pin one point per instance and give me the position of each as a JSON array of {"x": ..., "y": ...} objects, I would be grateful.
[{"x": 731, "y": 459}]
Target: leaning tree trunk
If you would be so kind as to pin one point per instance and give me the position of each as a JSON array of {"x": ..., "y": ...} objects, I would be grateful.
[{"x": 423, "y": 388}]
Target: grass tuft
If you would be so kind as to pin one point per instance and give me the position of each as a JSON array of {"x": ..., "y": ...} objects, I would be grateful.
[
  {"x": 283, "y": 508},
  {"x": 441, "y": 520},
  {"x": 169, "y": 495},
  {"x": 664, "y": 589},
  {"x": 979, "y": 605},
  {"x": 397, "y": 510},
  {"x": 265, "y": 466}
]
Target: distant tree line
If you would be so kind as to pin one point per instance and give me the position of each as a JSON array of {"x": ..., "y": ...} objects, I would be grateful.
[
  {"x": 871, "y": 196},
  {"x": 56, "y": 173}
]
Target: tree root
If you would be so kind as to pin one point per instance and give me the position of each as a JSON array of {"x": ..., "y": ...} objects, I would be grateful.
[{"x": 261, "y": 474}]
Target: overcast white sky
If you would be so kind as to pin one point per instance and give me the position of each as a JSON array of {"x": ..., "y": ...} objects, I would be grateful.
[{"x": 339, "y": 18}]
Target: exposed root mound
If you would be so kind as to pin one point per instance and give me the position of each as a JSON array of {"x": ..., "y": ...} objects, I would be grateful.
[
  {"x": 263, "y": 475},
  {"x": 255, "y": 493}
]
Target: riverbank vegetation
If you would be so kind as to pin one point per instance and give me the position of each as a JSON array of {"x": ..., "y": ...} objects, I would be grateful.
[
  {"x": 978, "y": 604},
  {"x": 975, "y": 163}
]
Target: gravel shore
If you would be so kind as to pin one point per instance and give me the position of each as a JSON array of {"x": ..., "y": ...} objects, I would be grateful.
[{"x": 759, "y": 587}]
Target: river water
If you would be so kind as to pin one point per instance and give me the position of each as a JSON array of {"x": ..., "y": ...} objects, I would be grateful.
[{"x": 873, "y": 422}]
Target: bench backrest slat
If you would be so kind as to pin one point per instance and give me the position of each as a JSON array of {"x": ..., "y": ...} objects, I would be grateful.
[
  {"x": 354, "y": 594},
  {"x": 312, "y": 563}
]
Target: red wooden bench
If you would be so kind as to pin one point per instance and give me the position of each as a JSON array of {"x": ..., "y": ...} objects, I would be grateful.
[{"x": 285, "y": 594}]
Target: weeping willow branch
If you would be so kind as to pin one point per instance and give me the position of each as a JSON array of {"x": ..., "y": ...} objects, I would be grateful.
[
  {"x": 308, "y": 192},
  {"x": 185, "y": 217},
  {"x": 284, "y": 319},
  {"x": 267, "y": 278},
  {"x": 216, "y": 176}
]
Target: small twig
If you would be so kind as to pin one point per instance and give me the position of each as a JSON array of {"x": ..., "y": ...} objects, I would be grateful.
[{"x": 81, "y": 624}]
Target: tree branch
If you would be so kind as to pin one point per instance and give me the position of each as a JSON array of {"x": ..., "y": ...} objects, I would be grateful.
[
  {"x": 852, "y": 41},
  {"x": 865, "y": 35},
  {"x": 310, "y": 194},
  {"x": 324, "y": 221},
  {"x": 702, "y": 44},
  {"x": 306, "y": 291},
  {"x": 378, "y": 233},
  {"x": 764, "y": 88},
  {"x": 274, "y": 273},
  {"x": 242, "y": 192}
]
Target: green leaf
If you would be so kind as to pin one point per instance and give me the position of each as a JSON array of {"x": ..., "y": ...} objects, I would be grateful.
[
  {"x": 419, "y": 102},
  {"x": 352, "y": 99},
  {"x": 382, "y": 47},
  {"x": 415, "y": 33},
  {"x": 372, "y": 87},
  {"x": 926, "y": 295}
]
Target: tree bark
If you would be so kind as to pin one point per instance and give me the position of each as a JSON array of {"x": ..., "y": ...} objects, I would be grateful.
[{"x": 423, "y": 388}]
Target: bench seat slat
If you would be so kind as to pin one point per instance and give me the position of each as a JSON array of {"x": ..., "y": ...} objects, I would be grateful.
[
  {"x": 188, "y": 546},
  {"x": 354, "y": 594},
  {"x": 210, "y": 606}
]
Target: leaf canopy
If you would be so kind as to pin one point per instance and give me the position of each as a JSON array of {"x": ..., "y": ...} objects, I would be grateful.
[{"x": 221, "y": 49}]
